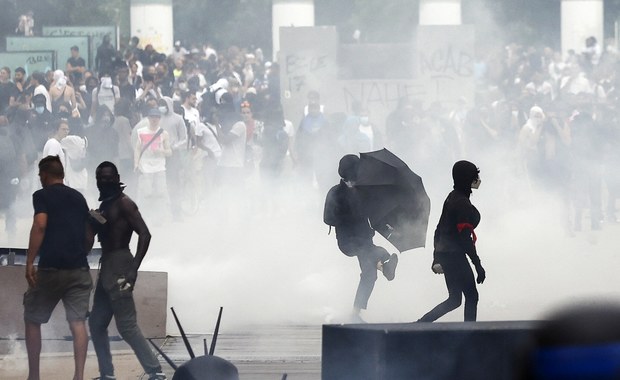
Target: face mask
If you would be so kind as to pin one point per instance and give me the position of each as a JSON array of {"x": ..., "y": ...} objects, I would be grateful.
[
  {"x": 364, "y": 120},
  {"x": 39, "y": 109},
  {"x": 476, "y": 183},
  {"x": 109, "y": 190},
  {"x": 183, "y": 86},
  {"x": 349, "y": 184},
  {"x": 163, "y": 110}
]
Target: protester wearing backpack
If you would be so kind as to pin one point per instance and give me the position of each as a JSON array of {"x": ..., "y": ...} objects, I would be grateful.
[
  {"x": 107, "y": 94},
  {"x": 343, "y": 210}
]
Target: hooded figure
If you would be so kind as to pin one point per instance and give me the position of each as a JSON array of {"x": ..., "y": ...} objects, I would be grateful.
[
  {"x": 172, "y": 123},
  {"x": 103, "y": 139},
  {"x": 463, "y": 175},
  {"x": 344, "y": 211},
  {"x": 40, "y": 122},
  {"x": 454, "y": 242}
]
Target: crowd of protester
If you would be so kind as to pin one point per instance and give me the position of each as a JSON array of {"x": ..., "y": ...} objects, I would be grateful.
[
  {"x": 212, "y": 119},
  {"x": 558, "y": 118}
]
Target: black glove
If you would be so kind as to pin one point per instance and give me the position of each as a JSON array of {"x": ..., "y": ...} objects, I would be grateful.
[
  {"x": 482, "y": 274},
  {"x": 436, "y": 267}
]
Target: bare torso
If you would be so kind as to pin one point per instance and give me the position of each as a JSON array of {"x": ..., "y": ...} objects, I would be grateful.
[{"x": 123, "y": 218}]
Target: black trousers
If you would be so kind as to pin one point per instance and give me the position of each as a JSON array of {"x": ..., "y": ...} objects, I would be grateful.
[
  {"x": 459, "y": 281},
  {"x": 368, "y": 255}
]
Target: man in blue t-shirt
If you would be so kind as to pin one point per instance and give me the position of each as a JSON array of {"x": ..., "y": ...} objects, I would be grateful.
[{"x": 61, "y": 237}]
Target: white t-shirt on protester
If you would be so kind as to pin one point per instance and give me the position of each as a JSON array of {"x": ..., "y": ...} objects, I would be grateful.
[
  {"x": 233, "y": 153},
  {"x": 106, "y": 96},
  {"x": 151, "y": 161},
  {"x": 53, "y": 148},
  {"x": 207, "y": 134}
]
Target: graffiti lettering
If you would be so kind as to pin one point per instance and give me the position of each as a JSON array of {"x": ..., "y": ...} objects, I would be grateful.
[
  {"x": 296, "y": 63},
  {"x": 76, "y": 33},
  {"x": 446, "y": 61},
  {"x": 380, "y": 93},
  {"x": 37, "y": 59},
  {"x": 296, "y": 83},
  {"x": 301, "y": 68}
]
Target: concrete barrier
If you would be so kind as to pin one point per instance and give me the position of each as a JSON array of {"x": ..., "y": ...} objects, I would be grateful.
[
  {"x": 426, "y": 351},
  {"x": 150, "y": 294}
]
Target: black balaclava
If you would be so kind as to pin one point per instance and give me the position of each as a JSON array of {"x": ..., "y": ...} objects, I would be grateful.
[
  {"x": 347, "y": 168},
  {"x": 463, "y": 174},
  {"x": 109, "y": 190}
]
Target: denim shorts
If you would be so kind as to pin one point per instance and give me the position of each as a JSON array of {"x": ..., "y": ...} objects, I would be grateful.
[{"x": 72, "y": 286}]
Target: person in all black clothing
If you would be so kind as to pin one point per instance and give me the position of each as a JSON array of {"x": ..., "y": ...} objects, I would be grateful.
[
  {"x": 454, "y": 241},
  {"x": 343, "y": 210},
  {"x": 106, "y": 56}
]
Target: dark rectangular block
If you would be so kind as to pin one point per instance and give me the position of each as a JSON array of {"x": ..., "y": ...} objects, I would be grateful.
[{"x": 427, "y": 351}]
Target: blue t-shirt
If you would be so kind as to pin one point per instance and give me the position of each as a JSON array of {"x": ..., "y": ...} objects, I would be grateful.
[{"x": 64, "y": 244}]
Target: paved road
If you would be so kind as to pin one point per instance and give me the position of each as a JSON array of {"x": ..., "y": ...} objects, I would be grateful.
[{"x": 259, "y": 352}]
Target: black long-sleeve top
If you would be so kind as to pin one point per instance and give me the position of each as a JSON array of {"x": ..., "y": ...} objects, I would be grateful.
[{"x": 455, "y": 230}]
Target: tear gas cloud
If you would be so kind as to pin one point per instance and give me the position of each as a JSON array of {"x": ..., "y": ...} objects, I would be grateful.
[{"x": 263, "y": 253}]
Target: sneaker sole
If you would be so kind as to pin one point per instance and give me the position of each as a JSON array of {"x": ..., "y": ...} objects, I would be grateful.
[{"x": 393, "y": 260}]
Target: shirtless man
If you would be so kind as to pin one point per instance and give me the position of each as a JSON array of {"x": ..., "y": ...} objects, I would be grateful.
[{"x": 119, "y": 271}]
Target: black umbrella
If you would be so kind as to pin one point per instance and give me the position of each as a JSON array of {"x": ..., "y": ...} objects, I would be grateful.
[{"x": 394, "y": 198}]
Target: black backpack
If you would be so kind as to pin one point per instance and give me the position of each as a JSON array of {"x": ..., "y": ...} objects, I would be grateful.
[{"x": 330, "y": 213}]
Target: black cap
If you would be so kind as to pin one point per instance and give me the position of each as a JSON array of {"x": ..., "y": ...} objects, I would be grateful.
[{"x": 347, "y": 168}]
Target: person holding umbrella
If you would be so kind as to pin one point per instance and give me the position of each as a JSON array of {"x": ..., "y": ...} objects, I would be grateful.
[
  {"x": 454, "y": 242},
  {"x": 344, "y": 211}
]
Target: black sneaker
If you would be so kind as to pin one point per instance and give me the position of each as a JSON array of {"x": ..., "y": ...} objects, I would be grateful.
[
  {"x": 105, "y": 377},
  {"x": 389, "y": 267},
  {"x": 158, "y": 376}
]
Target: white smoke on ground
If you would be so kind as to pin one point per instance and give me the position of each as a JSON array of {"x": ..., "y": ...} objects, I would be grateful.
[
  {"x": 266, "y": 256},
  {"x": 267, "y": 264},
  {"x": 13, "y": 359}
]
